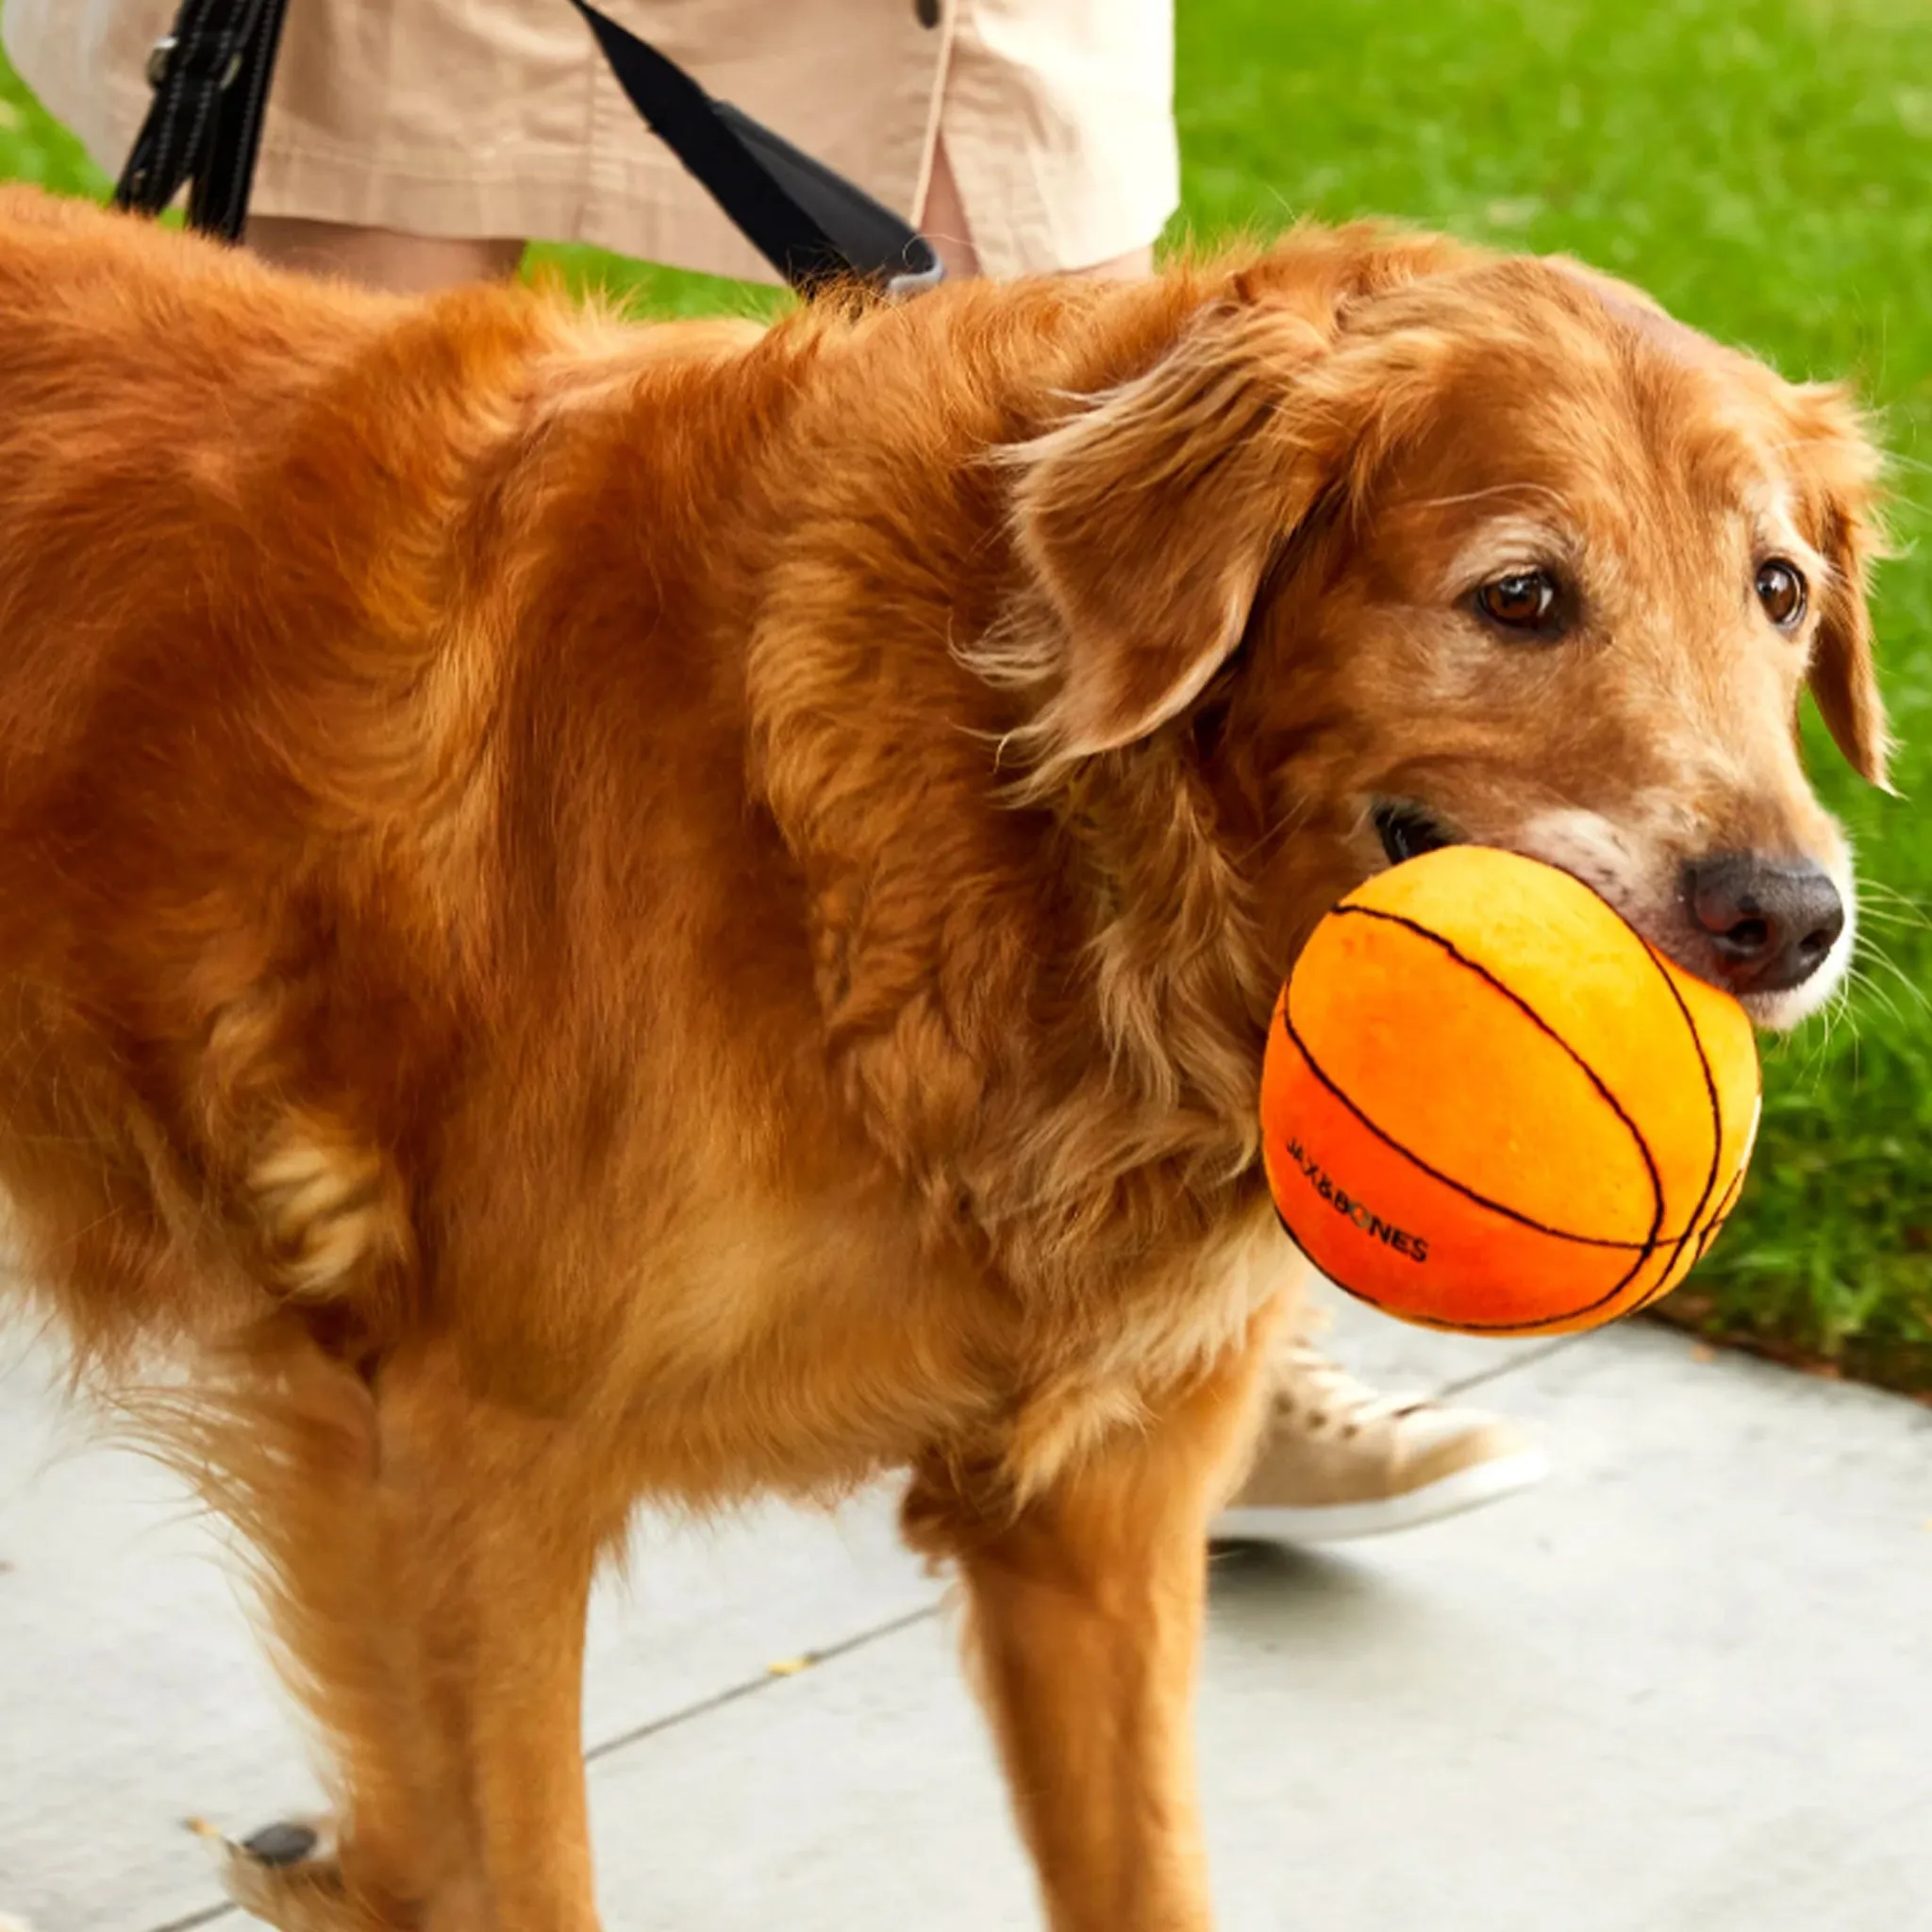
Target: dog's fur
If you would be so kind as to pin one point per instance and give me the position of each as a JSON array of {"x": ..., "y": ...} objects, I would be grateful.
[{"x": 592, "y": 912}]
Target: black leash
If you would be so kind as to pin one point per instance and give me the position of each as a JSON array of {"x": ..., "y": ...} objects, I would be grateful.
[
  {"x": 808, "y": 222},
  {"x": 210, "y": 80}
]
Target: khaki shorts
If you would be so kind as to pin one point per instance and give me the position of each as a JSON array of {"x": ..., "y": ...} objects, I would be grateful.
[{"x": 498, "y": 118}]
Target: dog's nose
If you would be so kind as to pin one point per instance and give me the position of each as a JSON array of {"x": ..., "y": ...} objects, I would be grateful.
[{"x": 1771, "y": 920}]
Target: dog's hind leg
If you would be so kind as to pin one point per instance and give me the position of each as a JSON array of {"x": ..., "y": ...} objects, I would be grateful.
[
  {"x": 1085, "y": 1612},
  {"x": 429, "y": 1558},
  {"x": 288, "y": 1442},
  {"x": 426, "y": 1551}
]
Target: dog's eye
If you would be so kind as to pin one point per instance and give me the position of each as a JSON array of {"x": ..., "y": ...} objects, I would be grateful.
[
  {"x": 1520, "y": 600},
  {"x": 1781, "y": 591}
]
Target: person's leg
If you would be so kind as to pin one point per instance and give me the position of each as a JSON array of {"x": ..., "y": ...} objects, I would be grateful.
[
  {"x": 381, "y": 258},
  {"x": 1337, "y": 1459},
  {"x": 942, "y": 219}
]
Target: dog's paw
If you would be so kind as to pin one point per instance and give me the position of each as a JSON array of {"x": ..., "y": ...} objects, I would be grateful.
[
  {"x": 285, "y": 1874},
  {"x": 287, "y": 1842}
]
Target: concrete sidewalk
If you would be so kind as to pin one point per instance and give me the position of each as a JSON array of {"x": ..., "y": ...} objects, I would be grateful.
[{"x": 1685, "y": 1687}]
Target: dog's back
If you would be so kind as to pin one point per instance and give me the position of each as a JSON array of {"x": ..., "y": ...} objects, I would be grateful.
[
  {"x": 257, "y": 540},
  {"x": 375, "y": 868},
  {"x": 167, "y": 733}
]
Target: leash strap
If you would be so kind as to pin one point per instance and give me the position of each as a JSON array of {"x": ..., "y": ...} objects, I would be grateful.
[
  {"x": 210, "y": 78},
  {"x": 808, "y": 222}
]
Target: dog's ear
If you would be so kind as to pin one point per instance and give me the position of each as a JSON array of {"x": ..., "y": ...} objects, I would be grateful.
[
  {"x": 1842, "y": 467},
  {"x": 1149, "y": 518},
  {"x": 1844, "y": 676}
]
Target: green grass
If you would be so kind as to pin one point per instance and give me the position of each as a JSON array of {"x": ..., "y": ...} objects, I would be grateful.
[
  {"x": 33, "y": 148},
  {"x": 1765, "y": 166}
]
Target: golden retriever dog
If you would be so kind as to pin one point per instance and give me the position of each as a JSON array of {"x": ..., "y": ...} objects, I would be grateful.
[{"x": 593, "y": 912}]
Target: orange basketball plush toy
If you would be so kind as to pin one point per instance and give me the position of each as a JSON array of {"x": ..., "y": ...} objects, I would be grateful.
[{"x": 1489, "y": 1105}]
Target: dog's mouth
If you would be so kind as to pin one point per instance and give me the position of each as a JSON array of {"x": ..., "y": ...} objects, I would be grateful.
[{"x": 1408, "y": 830}]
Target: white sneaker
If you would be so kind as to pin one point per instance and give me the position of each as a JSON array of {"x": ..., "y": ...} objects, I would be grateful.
[{"x": 1339, "y": 1461}]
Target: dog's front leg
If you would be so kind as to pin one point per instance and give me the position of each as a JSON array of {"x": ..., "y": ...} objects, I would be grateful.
[
  {"x": 1086, "y": 1619},
  {"x": 510, "y": 1513}
]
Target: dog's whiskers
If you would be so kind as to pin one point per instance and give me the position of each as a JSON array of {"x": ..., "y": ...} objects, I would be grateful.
[
  {"x": 1868, "y": 987},
  {"x": 1880, "y": 957},
  {"x": 1888, "y": 905}
]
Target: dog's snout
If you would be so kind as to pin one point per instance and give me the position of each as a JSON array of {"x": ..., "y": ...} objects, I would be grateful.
[{"x": 1771, "y": 923}]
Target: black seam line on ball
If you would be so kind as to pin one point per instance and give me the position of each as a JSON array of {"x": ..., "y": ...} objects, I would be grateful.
[
  {"x": 1648, "y": 1245},
  {"x": 1696, "y": 1226},
  {"x": 1714, "y": 1226},
  {"x": 1540, "y": 1324},
  {"x": 1583, "y": 1241},
  {"x": 1650, "y": 1167}
]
